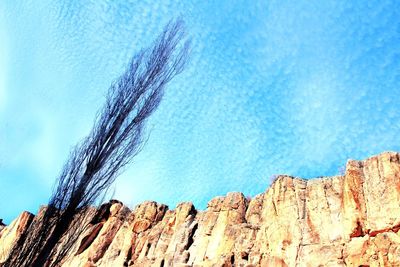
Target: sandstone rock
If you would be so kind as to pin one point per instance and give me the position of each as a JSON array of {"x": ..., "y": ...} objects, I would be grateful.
[
  {"x": 12, "y": 233},
  {"x": 2, "y": 225},
  {"x": 350, "y": 220}
]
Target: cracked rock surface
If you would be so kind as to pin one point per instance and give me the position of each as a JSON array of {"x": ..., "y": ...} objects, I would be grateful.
[{"x": 349, "y": 220}]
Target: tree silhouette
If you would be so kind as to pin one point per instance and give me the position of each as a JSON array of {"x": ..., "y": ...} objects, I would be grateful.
[{"x": 116, "y": 137}]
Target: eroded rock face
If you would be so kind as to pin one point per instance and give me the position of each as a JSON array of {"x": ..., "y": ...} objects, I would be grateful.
[
  {"x": 2, "y": 225},
  {"x": 11, "y": 234},
  {"x": 350, "y": 220}
]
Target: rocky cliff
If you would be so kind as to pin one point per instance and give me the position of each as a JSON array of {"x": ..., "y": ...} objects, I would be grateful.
[{"x": 349, "y": 220}]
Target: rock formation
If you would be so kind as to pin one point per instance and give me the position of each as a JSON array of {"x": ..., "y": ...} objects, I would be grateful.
[{"x": 349, "y": 220}]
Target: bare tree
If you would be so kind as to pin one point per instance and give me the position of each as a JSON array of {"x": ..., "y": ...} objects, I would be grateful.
[{"x": 117, "y": 136}]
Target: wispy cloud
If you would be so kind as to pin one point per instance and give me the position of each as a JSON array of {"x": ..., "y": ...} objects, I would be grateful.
[{"x": 272, "y": 87}]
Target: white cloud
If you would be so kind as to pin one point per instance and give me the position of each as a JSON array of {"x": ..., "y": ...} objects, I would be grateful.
[{"x": 317, "y": 118}]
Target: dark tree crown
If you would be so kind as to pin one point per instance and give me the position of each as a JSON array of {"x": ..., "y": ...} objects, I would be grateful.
[{"x": 116, "y": 137}]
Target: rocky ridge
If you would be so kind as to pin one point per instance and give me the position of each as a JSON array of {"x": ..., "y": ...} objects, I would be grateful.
[{"x": 349, "y": 220}]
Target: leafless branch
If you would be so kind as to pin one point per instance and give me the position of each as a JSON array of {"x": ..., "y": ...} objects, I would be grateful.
[{"x": 117, "y": 137}]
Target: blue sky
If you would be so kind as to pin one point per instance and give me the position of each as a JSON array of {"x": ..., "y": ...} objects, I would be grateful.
[{"x": 273, "y": 87}]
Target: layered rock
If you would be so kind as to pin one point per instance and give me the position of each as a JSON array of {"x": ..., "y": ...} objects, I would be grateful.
[
  {"x": 11, "y": 234},
  {"x": 2, "y": 225},
  {"x": 349, "y": 220}
]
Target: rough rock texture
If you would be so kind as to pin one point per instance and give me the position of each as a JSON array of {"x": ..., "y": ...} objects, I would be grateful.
[
  {"x": 350, "y": 220},
  {"x": 2, "y": 225},
  {"x": 10, "y": 234}
]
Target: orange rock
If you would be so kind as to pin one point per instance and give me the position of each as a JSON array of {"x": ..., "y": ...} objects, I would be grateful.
[{"x": 350, "y": 220}]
